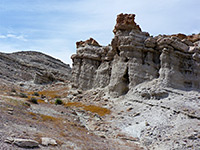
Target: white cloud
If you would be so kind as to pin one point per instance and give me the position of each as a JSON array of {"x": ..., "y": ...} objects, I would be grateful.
[
  {"x": 13, "y": 36},
  {"x": 3, "y": 37}
]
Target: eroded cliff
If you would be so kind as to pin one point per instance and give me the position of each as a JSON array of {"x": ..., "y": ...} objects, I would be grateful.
[{"x": 135, "y": 57}]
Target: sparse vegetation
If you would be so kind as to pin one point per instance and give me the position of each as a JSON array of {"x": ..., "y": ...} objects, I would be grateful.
[
  {"x": 33, "y": 100},
  {"x": 43, "y": 96},
  {"x": 23, "y": 95},
  {"x": 58, "y": 101},
  {"x": 13, "y": 90},
  {"x": 36, "y": 94},
  {"x": 48, "y": 118},
  {"x": 92, "y": 108},
  {"x": 27, "y": 104},
  {"x": 49, "y": 94}
]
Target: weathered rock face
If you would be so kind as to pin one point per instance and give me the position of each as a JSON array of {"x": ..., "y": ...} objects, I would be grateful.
[
  {"x": 135, "y": 57},
  {"x": 44, "y": 78},
  {"x": 140, "y": 63},
  {"x": 87, "y": 61},
  {"x": 126, "y": 22},
  {"x": 32, "y": 66}
]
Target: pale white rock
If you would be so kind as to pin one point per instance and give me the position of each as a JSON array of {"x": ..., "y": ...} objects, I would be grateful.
[
  {"x": 193, "y": 49},
  {"x": 135, "y": 130},
  {"x": 102, "y": 78},
  {"x": 119, "y": 82},
  {"x": 196, "y": 56},
  {"x": 48, "y": 141},
  {"x": 135, "y": 57}
]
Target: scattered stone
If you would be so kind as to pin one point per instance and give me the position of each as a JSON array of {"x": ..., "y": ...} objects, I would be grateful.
[
  {"x": 44, "y": 78},
  {"x": 10, "y": 109},
  {"x": 10, "y": 112},
  {"x": 136, "y": 114},
  {"x": 24, "y": 143},
  {"x": 126, "y": 137},
  {"x": 192, "y": 137},
  {"x": 48, "y": 141},
  {"x": 147, "y": 141},
  {"x": 129, "y": 109},
  {"x": 147, "y": 124}
]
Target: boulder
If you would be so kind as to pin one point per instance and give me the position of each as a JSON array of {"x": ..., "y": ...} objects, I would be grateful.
[
  {"x": 179, "y": 46},
  {"x": 24, "y": 143},
  {"x": 44, "y": 78},
  {"x": 45, "y": 141},
  {"x": 150, "y": 42}
]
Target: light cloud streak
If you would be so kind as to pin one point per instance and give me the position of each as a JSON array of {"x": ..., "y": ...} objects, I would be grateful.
[{"x": 18, "y": 37}]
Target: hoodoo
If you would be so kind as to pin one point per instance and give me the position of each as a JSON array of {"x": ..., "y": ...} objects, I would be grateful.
[{"x": 135, "y": 57}]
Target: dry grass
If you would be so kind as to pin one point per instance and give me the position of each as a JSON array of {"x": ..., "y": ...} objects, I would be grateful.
[
  {"x": 92, "y": 108},
  {"x": 49, "y": 118},
  {"x": 51, "y": 94}
]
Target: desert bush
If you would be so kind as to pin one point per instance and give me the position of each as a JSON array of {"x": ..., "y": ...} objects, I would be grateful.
[
  {"x": 43, "y": 96},
  {"x": 36, "y": 94},
  {"x": 27, "y": 104},
  {"x": 33, "y": 100},
  {"x": 13, "y": 90},
  {"x": 58, "y": 101},
  {"x": 23, "y": 95}
]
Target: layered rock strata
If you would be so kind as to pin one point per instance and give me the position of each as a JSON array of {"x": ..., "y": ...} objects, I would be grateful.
[
  {"x": 32, "y": 66},
  {"x": 88, "y": 69},
  {"x": 135, "y": 57}
]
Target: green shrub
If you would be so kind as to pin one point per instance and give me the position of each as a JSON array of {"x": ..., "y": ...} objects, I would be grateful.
[
  {"x": 23, "y": 95},
  {"x": 27, "y": 104},
  {"x": 58, "y": 101},
  {"x": 43, "y": 96},
  {"x": 33, "y": 100},
  {"x": 36, "y": 94},
  {"x": 13, "y": 90}
]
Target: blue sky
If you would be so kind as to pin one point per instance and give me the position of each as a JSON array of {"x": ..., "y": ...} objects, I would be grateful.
[{"x": 54, "y": 26}]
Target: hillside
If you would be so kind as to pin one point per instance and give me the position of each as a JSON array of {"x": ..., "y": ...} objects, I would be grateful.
[
  {"x": 30, "y": 65},
  {"x": 139, "y": 92}
]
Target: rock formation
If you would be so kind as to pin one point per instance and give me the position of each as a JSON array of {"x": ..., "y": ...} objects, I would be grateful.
[
  {"x": 135, "y": 57},
  {"x": 145, "y": 94},
  {"x": 87, "y": 61},
  {"x": 32, "y": 66}
]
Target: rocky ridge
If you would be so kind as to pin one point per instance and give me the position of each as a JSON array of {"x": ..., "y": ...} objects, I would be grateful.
[{"x": 32, "y": 66}]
